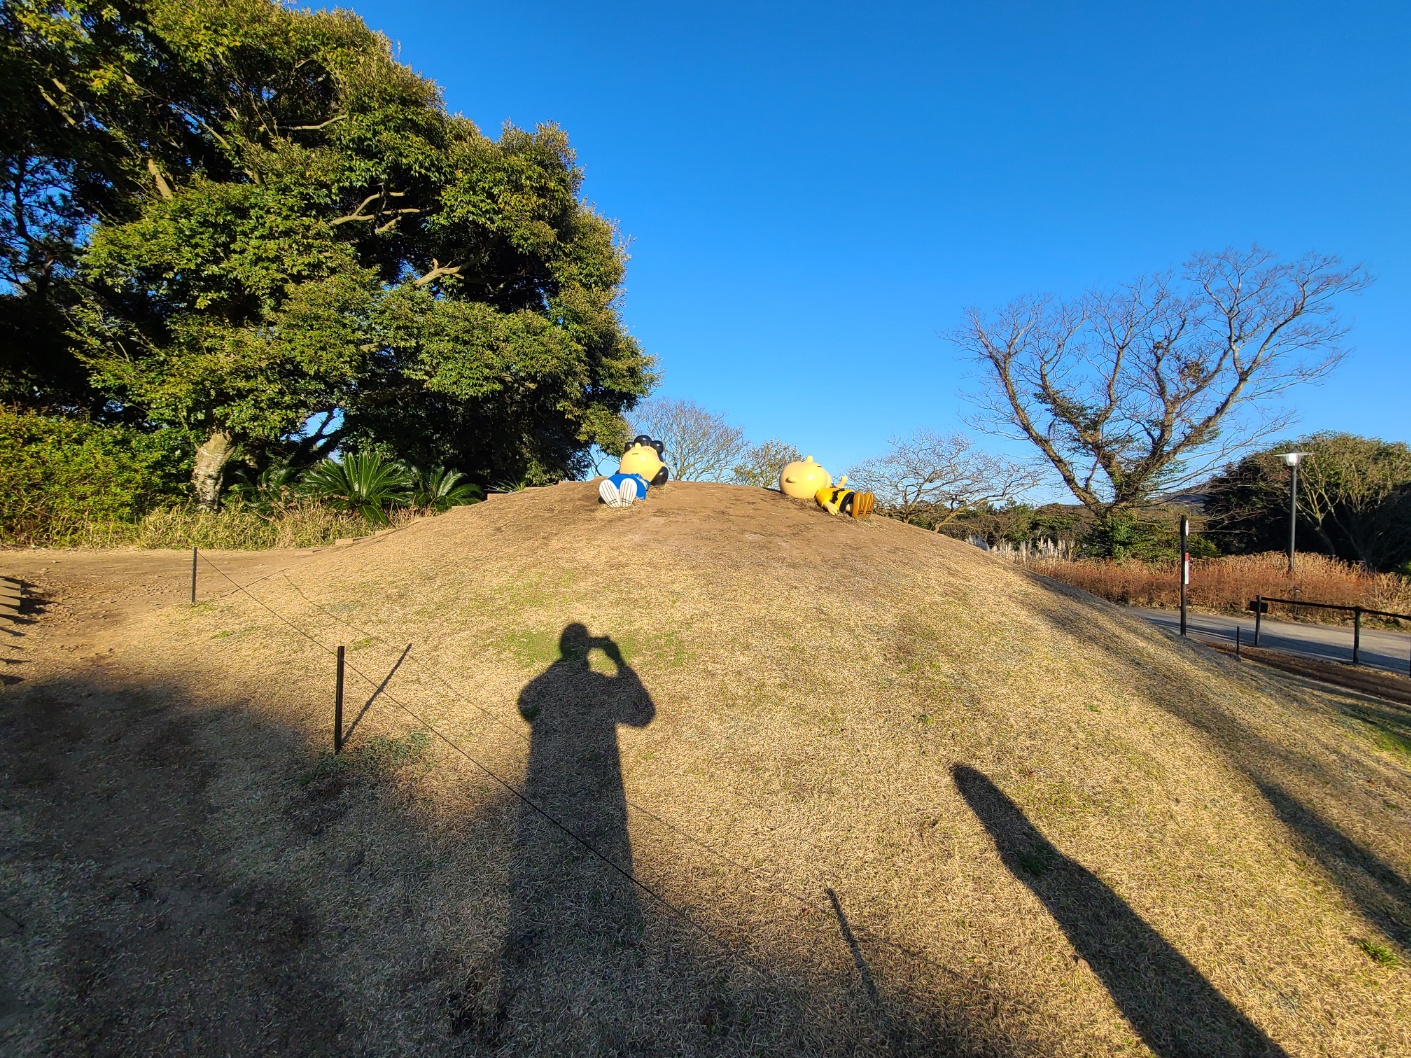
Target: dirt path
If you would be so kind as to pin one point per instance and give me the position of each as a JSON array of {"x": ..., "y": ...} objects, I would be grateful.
[
  {"x": 88, "y": 597},
  {"x": 114, "y": 901}
]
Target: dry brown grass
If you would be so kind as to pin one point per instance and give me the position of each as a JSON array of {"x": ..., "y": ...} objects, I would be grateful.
[
  {"x": 1228, "y": 584},
  {"x": 1049, "y": 829}
]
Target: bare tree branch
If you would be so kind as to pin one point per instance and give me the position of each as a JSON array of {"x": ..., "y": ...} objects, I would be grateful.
[
  {"x": 437, "y": 271},
  {"x": 700, "y": 445},
  {"x": 163, "y": 188},
  {"x": 1139, "y": 389},
  {"x": 320, "y": 125},
  {"x": 945, "y": 476}
]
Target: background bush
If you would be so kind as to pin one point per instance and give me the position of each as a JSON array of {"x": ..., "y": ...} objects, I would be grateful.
[{"x": 58, "y": 475}]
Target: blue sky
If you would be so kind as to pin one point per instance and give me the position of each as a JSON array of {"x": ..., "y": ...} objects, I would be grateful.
[{"x": 815, "y": 191}]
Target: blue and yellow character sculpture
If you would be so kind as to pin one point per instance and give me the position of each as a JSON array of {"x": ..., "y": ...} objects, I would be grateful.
[{"x": 641, "y": 467}]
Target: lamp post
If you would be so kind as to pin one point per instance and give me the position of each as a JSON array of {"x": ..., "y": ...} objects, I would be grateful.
[{"x": 1292, "y": 459}]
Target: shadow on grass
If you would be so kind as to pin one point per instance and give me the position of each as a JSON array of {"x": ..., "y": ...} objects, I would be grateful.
[
  {"x": 1174, "y": 1009},
  {"x": 381, "y": 687},
  {"x": 1365, "y": 878},
  {"x": 1372, "y": 884},
  {"x": 171, "y": 887},
  {"x": 572, "y": 954}
]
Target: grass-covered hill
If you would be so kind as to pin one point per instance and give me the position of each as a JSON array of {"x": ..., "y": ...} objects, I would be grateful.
[{"x": 722, "y": 775}]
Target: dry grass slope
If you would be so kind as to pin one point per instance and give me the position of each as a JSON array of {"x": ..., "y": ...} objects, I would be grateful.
[{"x": 908, "y": 799}]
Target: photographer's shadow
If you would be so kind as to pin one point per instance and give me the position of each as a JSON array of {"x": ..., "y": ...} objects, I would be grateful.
[{"x": 575, "y": 924}]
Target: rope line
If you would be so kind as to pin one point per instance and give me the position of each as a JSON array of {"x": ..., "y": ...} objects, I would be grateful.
[
  {"x": 517, "y": 733},
  {"x": 676, "y": 912},
  {"x": 773, "y": 887}
]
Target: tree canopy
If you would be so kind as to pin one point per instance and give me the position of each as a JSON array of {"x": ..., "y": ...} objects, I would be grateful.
[
  {"x": 1354, "y": 495},
  {"x": 256, "y": 217}
]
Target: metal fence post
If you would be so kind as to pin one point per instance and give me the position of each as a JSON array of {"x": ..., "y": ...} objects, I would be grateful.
[
  {"x": 1356, "y": 634},
  {"x": 193, "y": 576},
  {"x": 1237, "y": 641},
  {"x": 1258, "y": 613},
  {"x": 338, "y": 707}
]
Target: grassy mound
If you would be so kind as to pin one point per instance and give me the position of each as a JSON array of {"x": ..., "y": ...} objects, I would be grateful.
[{"x": 876, "y": 792}]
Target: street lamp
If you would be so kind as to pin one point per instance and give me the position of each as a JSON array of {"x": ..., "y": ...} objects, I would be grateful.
[{"x": 1292, "y": 459}]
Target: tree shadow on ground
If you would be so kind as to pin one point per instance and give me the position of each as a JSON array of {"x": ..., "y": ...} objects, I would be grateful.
[
  {"x": 1364, "y": 877},
  {"x": 1373, "y": 884},
  {"x": 1172, "y": 1007},
  {"x": 185, "y": 875}
]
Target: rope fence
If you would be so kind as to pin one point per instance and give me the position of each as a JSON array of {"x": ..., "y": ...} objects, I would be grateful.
[{"x": 627, "y": 875}]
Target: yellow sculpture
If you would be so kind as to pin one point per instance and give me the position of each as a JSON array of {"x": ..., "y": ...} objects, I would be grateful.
[
  {"x": 803, "y": 478},
  {"x": 644, "y": 458},
  {"x": 837, "y": 500}
]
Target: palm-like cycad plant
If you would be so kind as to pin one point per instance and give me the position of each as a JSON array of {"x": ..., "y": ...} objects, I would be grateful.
[
  {"x": 271, "y": 490},
  {"x": 440, "y": 488},
  {"x": 362, "y": 482}
]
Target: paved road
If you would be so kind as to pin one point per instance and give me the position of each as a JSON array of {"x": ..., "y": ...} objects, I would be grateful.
[{"x": 1380, "y": 649}]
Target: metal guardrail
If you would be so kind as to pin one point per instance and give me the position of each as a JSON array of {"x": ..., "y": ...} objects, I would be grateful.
[{"x": 1260, "y": 606}]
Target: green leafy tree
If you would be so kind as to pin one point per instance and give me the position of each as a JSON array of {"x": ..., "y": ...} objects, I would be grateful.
[
  {"x": 293, "y": 228},
  {"x": 1354, "y": 494},
  {"x": 88, "y": 92}
]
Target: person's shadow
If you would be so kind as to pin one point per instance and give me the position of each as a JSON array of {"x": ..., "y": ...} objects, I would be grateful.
[
  {"x": 571, "y": 946},
  {"x": 1170, "y": 1004}
]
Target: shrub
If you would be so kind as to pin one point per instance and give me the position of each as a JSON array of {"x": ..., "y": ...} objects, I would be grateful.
[
  {"x": 1230, "y": 583},
  {"x": 362, "y": 482},
  {"x": 234, "y": 527},
  {"x": 58, "y": 475},
  {"x": 273, "y": 489},
  {"x": 237, "y": 527},
  {"x": 439, "y": 489}
]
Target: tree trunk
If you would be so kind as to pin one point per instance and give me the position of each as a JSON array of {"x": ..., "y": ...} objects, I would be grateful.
[{"x": 206, "y": 475}]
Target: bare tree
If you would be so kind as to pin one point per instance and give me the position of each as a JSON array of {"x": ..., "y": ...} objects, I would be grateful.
[
  {"x": 944, "y": 476},
  {"x": 761, "y": 464},
  {"x": 1149, "y": 386},
  {"x": 700, "y": 445}
]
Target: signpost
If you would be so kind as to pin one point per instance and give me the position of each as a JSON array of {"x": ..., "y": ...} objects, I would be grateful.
[{"x": 1185, "y": 566}]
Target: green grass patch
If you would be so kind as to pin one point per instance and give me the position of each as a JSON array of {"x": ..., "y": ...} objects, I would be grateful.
[
  {"x": 1393, "y": 741},
  {"x": 376, "y": 758},
  {"x": 1378, "y": 952},
  {"x": 530, "y": 649}
]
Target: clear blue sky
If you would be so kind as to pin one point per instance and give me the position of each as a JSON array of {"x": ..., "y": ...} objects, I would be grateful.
[{"x": 814, "y": 191}]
